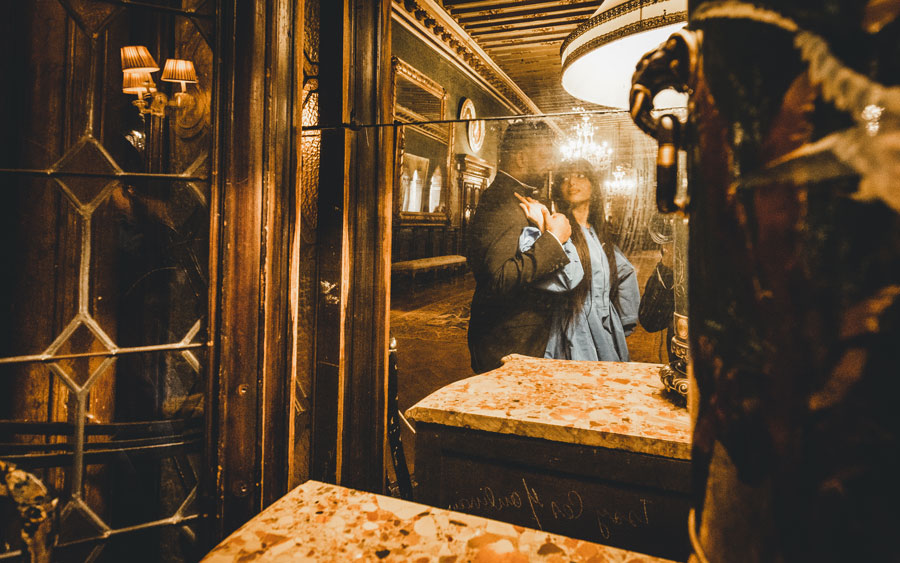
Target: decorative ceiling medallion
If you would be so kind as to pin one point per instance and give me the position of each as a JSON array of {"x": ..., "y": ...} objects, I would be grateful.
[{"x": 474, "y": 126}]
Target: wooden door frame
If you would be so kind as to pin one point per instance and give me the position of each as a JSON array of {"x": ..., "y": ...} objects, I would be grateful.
[
  {"x": 250, "y": 374},
  {"x": 349, "y": 396},
  {"x": 256, "y": 172}
]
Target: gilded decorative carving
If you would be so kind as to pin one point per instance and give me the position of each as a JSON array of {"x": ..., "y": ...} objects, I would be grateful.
[
  {"x": 35, "y": 507},
  {"x": 470, "y": 57}
]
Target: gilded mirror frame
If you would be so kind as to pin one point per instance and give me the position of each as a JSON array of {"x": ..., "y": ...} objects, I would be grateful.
[{"x": 423, "y": 125}]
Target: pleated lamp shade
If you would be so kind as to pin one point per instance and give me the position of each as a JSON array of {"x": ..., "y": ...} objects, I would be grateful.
[
  {"x": 138, "y": 83},
  {"x": 179, "y": 70},
  {"x": 136, "y": 58}
]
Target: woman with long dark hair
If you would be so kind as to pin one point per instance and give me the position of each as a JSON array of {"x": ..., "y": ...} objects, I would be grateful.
[{"x": 600, "y": 294}]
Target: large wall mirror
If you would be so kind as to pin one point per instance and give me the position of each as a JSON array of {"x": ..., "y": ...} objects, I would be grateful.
[
  {"x": 423, "y": 154},
  {"x": 433, "y": 253}
]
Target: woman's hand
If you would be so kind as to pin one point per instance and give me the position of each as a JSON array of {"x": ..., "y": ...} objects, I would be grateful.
[
  {"x": 534, "y": 210},
  {"x": 558, "y": 225}
]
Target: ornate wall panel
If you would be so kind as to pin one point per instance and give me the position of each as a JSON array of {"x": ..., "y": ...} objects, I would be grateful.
[{"x": 104, "y": 312}]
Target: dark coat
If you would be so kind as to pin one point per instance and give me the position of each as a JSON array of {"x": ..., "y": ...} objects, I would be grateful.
[
  {"x": 658, "y": 305},
  {"x": 508, "y": 314}
]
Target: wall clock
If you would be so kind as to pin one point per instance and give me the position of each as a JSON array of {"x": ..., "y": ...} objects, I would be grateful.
[{"x": 474, "y": 128}]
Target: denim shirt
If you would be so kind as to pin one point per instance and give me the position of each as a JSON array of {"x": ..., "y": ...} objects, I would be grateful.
[{"x": 598, "y": 331}]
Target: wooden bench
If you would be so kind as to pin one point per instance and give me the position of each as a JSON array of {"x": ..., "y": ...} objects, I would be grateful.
[{"x": 434, "y": 263}]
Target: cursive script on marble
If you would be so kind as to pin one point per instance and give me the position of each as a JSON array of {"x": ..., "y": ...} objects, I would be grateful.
[{"x": 569, "y": 506}]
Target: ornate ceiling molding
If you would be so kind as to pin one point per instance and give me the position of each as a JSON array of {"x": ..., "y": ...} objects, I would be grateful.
[{"x": 433, "y": 23}]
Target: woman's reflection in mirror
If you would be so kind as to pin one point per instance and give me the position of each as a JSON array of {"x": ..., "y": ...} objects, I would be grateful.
[{"x": 598, "y": 288}]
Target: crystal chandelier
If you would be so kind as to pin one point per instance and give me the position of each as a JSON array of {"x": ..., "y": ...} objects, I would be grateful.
[
  {"x": 582, "y": 145},
  {"x": 623, "y": 180}
]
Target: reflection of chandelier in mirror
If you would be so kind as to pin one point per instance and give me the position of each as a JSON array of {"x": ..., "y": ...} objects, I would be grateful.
[
  {"x": 137, "y": 66},
  {"x": 582, "y": 145},
  {"x": 623, "y": 180},
  {"x": 599, "y": 57}
]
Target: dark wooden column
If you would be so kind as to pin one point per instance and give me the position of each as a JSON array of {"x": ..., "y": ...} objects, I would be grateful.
[
  {"x": 251, "y": 380},
  {"x": 354, "y": 233}
]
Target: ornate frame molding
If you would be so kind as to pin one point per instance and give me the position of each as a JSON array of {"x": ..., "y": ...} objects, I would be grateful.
[{"x": 433, "y": 23}]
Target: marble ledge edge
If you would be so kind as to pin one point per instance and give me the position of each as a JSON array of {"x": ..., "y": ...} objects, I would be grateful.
[{"x": 554, "y": 433}]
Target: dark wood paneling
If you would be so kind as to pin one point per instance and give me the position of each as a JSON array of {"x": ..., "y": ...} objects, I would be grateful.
[
  {"x": 331, "y": 225},
  {"x": 369, "y": 234},
  {"x": 280, "y": 206},
  {"x": 239, "y": 332},
  {"x": 424, "y": 241}
]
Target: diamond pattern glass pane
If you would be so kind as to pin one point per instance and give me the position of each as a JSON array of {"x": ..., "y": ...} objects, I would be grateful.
[
  {"x": 154, "y": 238},
  {"x": 85, "y": 158},
  {"x": 40, "y": 260},
  {"x": 90, "y": 17},
  {"x": 171, "y": 543},
  {"x": 99, "y": 260},
  {"x": 78, "y": 522},
  {"x": 81, "y": 341},
  {"x": 166, "y": 386}
]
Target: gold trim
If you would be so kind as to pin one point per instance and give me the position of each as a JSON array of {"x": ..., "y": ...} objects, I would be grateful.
[
  {"x": 441, "y": 132},
  {"x": 603, "y": 17},
  {"x": 630, "y": 29},
  {"x": 667, "y": 155}
]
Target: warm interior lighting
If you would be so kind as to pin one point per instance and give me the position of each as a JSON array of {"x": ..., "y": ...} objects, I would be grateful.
[
  {"x": 137, "y": 64},
  {"x": 581, "y": 144},
  {"x": 599, "y": 57},
  {"x": 179, "y": 70},
  {"x": 623, "y": 181},
  {"x": 136, "y": 58},
  {"x": 139, "y": 83}
]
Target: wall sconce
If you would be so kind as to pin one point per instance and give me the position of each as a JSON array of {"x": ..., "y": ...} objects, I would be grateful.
[
  {"x": 141, "y": 84},
  {"x": 181, "y": 71},
  {"x": 137, "y": 66}
]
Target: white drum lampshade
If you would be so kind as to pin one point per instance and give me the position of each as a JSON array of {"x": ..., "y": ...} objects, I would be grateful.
[{"x": 599, "y": 57}]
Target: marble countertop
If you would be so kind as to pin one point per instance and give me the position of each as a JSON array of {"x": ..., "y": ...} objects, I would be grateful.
[
  {"x": 608, "y": 404},
  {"x": 321, "y": 522}
]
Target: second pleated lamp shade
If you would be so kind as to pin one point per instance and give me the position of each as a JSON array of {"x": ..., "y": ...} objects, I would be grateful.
[
  {"x": 138, "y": 83},
  {"x": 179, "y": 70}
]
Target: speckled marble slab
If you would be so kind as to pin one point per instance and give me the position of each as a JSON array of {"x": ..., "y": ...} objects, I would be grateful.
[
  {"x": 321, "y": 522},
  {"x": 608, "y": 404}
]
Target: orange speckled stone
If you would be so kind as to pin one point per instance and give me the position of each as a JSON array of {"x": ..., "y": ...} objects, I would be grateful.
[
  {"x": 606, "y": 404},
  {"x": 327, "y": 523}
]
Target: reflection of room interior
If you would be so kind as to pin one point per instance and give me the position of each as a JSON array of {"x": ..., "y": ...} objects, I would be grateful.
[{"x": 236, "y": 296}]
